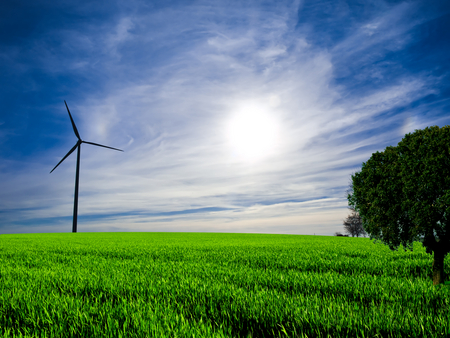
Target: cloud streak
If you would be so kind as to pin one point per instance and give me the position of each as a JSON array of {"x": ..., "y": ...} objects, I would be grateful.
[{"x": 164, "y": 83}]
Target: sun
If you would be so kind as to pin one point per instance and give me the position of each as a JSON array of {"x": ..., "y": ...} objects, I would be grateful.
[{"x": 252, "y": 132}]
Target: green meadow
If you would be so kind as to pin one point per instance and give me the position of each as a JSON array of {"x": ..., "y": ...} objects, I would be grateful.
[{"x": 216, "y": 285}]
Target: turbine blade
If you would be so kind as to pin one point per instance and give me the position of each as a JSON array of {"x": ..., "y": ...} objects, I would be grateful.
[
  {"x": 70, "y": 152},
  {"x": 73, "y": 123},
  {"x": 100, "y": 145}
]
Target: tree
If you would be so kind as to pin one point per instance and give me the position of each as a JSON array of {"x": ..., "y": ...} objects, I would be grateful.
[
  {"x": 353, "y": 224},
  {"x": 403, "y": 194}
]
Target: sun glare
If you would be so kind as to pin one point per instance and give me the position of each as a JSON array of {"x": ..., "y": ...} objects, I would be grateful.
[{"x": 252, "y": 132}]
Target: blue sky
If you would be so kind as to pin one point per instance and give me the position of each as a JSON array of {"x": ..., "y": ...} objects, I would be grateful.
[{"x": 234, "y": 116}]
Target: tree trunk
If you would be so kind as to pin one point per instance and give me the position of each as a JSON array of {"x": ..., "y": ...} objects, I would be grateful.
[{"x": 438, "y": 267}]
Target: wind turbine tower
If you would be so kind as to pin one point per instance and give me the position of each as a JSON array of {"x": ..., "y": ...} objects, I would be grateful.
[{"x": 77, "y": 173}]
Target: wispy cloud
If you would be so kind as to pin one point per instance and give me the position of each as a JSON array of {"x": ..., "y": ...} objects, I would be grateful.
[{"x": 164, "y": 83}]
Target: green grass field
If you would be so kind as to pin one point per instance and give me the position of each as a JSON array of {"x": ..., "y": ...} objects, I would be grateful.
[{"x": 216, "y": 285}]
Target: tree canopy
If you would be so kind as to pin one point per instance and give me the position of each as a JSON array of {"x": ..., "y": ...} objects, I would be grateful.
[{"x": 403, "y": 194}]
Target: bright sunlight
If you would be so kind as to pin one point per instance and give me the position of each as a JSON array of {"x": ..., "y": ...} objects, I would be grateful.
[{"x": 252, "y": 132}]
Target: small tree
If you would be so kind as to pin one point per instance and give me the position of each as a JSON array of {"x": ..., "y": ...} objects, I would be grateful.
[
  {"x": 353, "y": 225},
  {"x": 403, "y": 194}
]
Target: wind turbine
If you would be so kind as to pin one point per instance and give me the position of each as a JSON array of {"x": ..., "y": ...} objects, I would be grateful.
[{"x": 77, "y": 175}]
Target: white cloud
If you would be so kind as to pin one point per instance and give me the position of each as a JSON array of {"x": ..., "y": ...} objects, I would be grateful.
[{"x": 178, "y": 75}]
